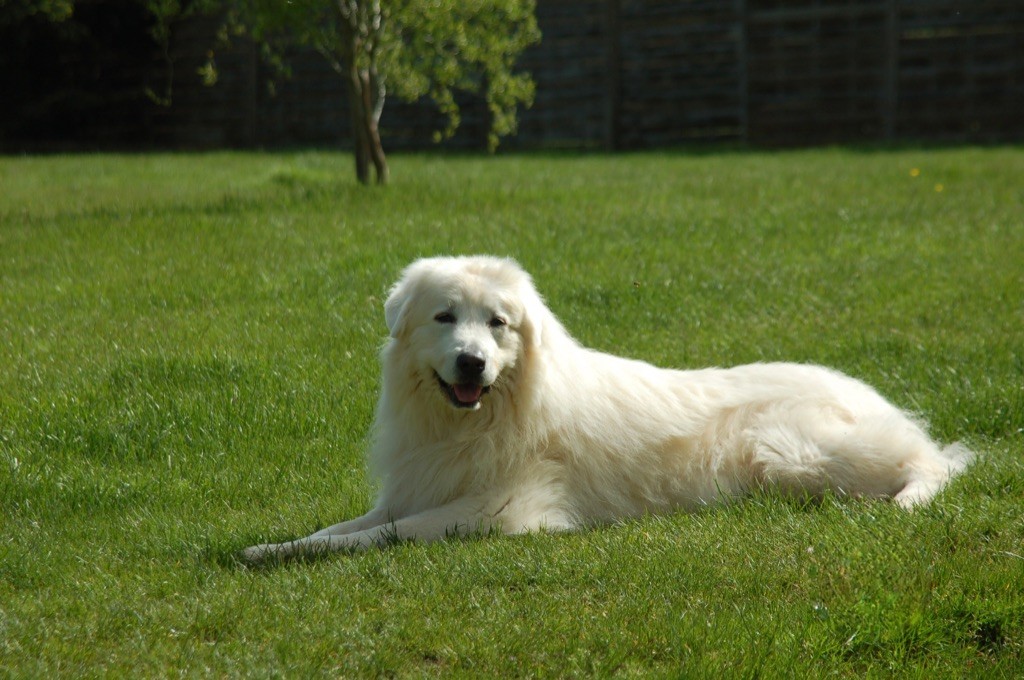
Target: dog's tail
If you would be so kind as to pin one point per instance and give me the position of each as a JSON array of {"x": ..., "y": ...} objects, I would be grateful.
[{"x": 932, "y": 472}]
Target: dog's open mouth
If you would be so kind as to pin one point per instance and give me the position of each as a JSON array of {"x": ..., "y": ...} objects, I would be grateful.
[{"x": 466, "y": 395}]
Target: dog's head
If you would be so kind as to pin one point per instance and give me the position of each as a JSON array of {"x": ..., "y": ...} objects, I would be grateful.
[{"x": 463, "y": 324}]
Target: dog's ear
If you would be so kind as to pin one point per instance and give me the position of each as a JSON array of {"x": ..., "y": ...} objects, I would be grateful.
[
  {"x": 397, "y": 306},
  {"x": 535, "y": 314}
]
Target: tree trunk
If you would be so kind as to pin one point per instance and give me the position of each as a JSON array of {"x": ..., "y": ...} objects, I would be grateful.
[
  {"x": 360, "y": 140},
  {"x": 365, "y": 89},
  {"x": 365, "y": 114},
  {"x": 373, "y": 104}
]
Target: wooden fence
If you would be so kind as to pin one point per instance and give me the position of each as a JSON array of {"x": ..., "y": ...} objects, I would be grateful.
[{"x": 625, "y": 74}]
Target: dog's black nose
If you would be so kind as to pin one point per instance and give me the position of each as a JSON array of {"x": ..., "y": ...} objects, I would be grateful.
[{"x": 470, "y": 366}]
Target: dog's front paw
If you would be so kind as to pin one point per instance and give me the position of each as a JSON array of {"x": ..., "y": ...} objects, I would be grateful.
[{"x": 256, "y": 555}]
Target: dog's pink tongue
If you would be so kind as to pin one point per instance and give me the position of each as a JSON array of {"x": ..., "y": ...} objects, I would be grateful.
[{"x": 467, "y": 394}]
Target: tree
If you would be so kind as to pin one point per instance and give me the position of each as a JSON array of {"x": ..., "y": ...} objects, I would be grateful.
[
  {"x": 53, "y": 10},
  {"x": 411, "y": 48}
]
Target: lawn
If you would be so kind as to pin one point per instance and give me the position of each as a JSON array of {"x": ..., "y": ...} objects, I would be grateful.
[{"x": 188, "y": 366}]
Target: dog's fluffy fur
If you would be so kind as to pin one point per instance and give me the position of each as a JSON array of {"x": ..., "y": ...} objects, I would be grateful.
[{"x": 492, "y": 417}]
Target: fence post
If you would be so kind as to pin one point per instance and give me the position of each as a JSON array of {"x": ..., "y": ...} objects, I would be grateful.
[
  {"x": 890, "y": 93},
  {"x": 742, "y": 83},
  {"x": 613, "y": 73}
]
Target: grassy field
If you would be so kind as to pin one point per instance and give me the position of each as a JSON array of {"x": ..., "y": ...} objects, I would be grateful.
[{"x": 188, "y": 366}]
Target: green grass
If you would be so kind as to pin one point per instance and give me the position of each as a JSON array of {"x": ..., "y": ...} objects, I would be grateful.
[{"x": 188, "y": 366}]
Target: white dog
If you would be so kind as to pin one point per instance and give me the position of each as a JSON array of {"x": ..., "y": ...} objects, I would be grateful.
[{"x": 492, "y": 417}]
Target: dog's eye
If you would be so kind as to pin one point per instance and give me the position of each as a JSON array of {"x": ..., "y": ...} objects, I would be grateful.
[
  {"x": 497, "y": 322},
  {"x": 444, "y": 317}
]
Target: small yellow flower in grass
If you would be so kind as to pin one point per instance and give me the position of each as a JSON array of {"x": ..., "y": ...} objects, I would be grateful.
[
  {"x": 939, "y": 188},
  {"x": 914, "y": 172}
]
